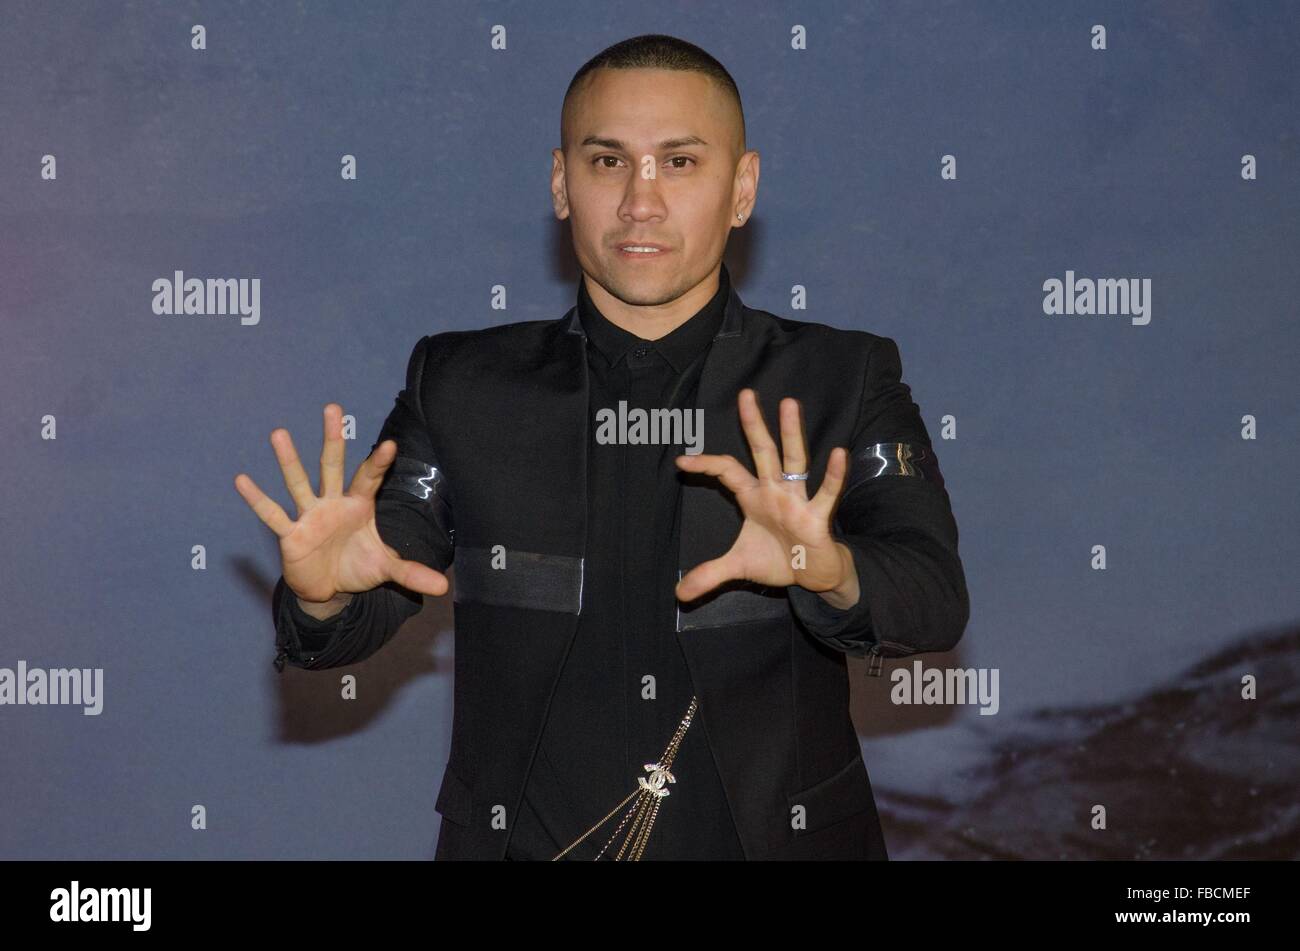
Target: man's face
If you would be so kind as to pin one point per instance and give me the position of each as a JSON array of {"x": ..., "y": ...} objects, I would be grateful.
[{"x": 651, "y": 157}]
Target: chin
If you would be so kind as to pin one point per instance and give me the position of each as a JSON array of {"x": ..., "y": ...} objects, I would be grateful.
[
  {"x": 642, "y": 293},
  {"x": 630, "y": 284}
]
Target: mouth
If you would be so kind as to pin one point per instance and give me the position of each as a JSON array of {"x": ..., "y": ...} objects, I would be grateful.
[{"x": 639, "y": 250}]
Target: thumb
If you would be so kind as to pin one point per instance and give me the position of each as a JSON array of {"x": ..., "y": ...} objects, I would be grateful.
[
  {"x": 417, "y": 577},
  {"x": 704, "y": 577}
]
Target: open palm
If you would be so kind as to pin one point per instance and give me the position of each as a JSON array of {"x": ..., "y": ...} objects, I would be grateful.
[
  {"x": 786, "y": 537},
  {"x": 334, "y": 546}
]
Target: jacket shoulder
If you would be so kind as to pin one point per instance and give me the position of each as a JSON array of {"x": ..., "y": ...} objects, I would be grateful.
[
  {"x": 485, "y": 350},
  {"x": 515, "y": 334},
  {"x": 811, "y": 333}
]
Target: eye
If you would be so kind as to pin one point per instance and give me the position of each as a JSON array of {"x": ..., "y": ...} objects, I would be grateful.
[
  {"x": 682, "y": 157},
  {"x": 600, "y": 158}
]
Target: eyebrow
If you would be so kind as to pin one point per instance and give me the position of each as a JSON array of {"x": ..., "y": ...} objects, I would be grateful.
[{"x": 663, "y": 146}]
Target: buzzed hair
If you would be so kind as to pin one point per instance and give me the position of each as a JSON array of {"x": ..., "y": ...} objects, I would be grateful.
[{"x": 658, "y": 51}]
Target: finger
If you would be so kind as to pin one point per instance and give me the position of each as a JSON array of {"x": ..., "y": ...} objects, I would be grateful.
[
  {"x": 267, "y": 509},
  {"x": 823, "y": 503},
  {"x": 761, "y": 444},
  {"x": 370, "y": 474},
  {"x": 331, "y": 453},
  {"x": 295, "y": 476},
  {"x": 726, "y": 468},
  {"x": 417, "y": 577},
  {"x": 793, "y": 448},
  {"x": 706, "y": 576}
]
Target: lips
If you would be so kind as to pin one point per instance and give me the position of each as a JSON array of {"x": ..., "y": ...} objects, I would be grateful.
[{"x": 640, "y": 249}]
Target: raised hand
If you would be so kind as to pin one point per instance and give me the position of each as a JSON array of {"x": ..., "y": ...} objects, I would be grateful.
[
  {"x": 778, "y": 514},
  {"x": 334, "y": 547}
]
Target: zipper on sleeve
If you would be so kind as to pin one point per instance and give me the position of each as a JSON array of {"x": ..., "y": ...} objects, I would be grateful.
[{"x": 882, "y": 649}]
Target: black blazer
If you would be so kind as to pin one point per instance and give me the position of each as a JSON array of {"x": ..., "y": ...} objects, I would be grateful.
[{"x": 492, "y": 443}]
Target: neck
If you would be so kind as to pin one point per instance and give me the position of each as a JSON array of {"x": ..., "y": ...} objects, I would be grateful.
[{"x": 652, "y": 321}]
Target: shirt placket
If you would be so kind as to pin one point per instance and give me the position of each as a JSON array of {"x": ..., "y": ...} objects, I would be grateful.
[{"x": 645, "y": 373}]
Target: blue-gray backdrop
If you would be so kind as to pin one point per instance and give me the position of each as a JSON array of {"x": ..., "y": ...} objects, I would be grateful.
[{"x": 1171, "y": 154}]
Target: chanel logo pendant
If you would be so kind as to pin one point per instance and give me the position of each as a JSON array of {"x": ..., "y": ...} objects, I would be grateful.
[{"x": 654, "y": 783}]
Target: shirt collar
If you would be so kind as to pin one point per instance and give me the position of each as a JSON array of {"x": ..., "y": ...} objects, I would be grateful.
[{"x": 679, "y": 347}]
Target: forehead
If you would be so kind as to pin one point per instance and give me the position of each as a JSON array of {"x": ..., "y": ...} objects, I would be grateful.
[{"x": 643, "y": 106}]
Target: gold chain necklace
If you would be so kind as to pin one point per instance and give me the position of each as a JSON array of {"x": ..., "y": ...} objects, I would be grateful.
[{"x": 650, "y": 792}]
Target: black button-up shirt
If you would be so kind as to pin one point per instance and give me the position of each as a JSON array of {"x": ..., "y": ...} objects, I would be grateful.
[{"x": 625, "y": 685}]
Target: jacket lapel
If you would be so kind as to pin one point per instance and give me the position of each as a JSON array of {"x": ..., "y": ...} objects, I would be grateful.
[
  {"x": 564, "y": 405},
  {"x": 711, "y": 519}
]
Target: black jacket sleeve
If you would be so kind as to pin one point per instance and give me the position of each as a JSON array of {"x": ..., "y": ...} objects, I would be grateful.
[
  {"x": 896, "y": 518},
  {"x": 412, "y": 514}
]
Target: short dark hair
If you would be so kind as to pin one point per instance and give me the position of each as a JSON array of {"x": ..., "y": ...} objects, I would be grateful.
[{"x": 658, "y": 51}]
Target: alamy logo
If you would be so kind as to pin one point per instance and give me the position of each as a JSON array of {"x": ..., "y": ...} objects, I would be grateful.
[
  {"x": 217, "y": 295},
  {"x": 653, "y": 427},
  {"x": 1104, "y": 297},
  {"x": 946, "y": 685},
  {"x": 102, "y": 904},
  {"x": 60, "y": 685}
]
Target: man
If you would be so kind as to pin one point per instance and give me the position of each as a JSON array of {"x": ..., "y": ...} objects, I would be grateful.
[{"x": 651, "y": 639}]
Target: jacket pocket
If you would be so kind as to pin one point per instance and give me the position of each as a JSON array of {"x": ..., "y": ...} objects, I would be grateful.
[
  {"x": 455, "y": 800},
  {"x": 844, "y": 793}
]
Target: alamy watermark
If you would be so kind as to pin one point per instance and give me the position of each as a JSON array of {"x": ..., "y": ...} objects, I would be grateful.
[
  {"x": 946, "y": 685},
  {"x": 219, "y": 296},
  {"x": 80, "y": 686},
  {"x": 103, "y": 904},
  {"x": 1100, "y": 297},
  {"x": 651, "y": 427}
]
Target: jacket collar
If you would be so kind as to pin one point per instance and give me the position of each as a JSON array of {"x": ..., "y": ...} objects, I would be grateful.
[{"x": 732, "y": 313}]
